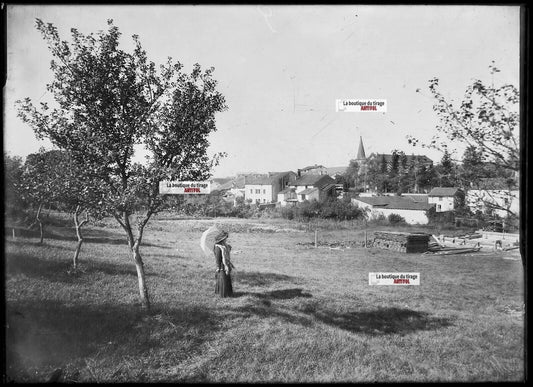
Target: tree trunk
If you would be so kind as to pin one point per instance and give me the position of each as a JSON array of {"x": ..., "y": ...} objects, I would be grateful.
[
  {"x": 78, "y": 234},
  {"x": 139, "y": 265},
  {"x": 38, "y": 219},
  {"x": 77, "y": 253},
  {"x": 134, "y": 245}
]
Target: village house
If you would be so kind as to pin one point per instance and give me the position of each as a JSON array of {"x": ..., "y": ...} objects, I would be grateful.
[
  {"x": 263, "y": 190},
  {"x": 287, "y": 196},
  {"x": 336, "y": 171},
  {"x": 496, "y": 196},
  {"x": 313, "y": 170},
  {"x": 217, "y": 183},
  {"x": 310, "y": 187},
  {"x": 233, "y": 189},
  {"x": 412, "y": 208},
  {"x": 446, "y": 198}
]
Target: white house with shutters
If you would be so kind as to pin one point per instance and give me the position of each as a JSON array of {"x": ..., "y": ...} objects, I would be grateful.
[
  {"x": 445, "y": 198},
  {"x": 264, "y": 190}
]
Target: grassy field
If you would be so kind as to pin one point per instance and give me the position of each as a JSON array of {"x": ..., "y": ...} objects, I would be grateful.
[{"x": 300, "y": 314}]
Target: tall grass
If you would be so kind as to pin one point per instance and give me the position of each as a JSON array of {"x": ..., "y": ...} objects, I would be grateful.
[{"x": 299, "y": 315}]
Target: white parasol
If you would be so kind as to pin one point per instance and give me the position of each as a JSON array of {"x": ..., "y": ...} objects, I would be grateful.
[{"x": 207, "y": 241}]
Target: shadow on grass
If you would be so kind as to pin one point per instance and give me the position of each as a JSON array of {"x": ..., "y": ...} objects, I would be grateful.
[
  {"x": 60, "y": 270},
  {"x": 44, "y": 334},
  {"x": 282, "y": 294},
  {"x": 381, "y": 321},
  {"x": 89, "y": 236},
  {"x": 262, "y": 279}
]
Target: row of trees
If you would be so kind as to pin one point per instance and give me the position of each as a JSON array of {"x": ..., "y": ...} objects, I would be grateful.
[
  {"x": 106, "y": 101},
  {"x": 403, "y": 176},
  {"x": 51, "y": 179}
]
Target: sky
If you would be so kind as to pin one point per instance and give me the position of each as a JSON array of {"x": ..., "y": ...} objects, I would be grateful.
[{"x": 281, "y": 69}]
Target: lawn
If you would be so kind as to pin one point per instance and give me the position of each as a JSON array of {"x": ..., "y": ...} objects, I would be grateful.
[{"x": 300, "y": 314}]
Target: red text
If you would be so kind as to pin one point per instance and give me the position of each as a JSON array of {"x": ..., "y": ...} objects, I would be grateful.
[{"x": 401, "y": 281}]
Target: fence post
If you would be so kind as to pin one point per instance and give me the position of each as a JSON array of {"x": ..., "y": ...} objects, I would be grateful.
[{"x": 316, "y": 238}]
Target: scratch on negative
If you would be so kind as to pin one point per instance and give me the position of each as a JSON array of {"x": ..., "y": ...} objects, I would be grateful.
[{"x": 267, "y": 16}]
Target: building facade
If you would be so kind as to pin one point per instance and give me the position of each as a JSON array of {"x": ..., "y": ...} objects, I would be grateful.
[
  {"x": 264, "y": 190},
  {"x": 445, "y": 198},
  {"x": 413, "y": 210},
  {"x": 309, "y": 187}
]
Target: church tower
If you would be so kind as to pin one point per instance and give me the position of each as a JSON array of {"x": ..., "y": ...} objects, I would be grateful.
[
  {"x": 361, "y": 180},
  {"x": 361, "y": 151}
]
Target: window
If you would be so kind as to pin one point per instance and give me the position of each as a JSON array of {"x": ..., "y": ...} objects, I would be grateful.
[
  {"x": 251, "y": 191},
  {"x": 264, "y": 200},
  {"x": 264, "y": 191},
  {"x": 257, "y": 191},
  {"x": 440, "y": 198}
]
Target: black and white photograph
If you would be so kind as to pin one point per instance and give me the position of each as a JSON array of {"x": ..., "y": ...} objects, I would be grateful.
[{"x": 276, "y": 193}]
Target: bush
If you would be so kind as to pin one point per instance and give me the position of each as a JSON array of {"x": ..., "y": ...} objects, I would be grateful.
[
  {"x": 287, "y": 212},
  {"x": 443, "y": 219},
  {"x": 396, "y": 219}
]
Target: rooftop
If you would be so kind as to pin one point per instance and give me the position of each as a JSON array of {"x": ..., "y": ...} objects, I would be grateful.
[
  {"x": 395, "y": 202},
  {"x": 443, "y": 191},
  {"x": 312, "y": 167},
  {"x": 266, "y": 180},
  {"x": 308, "y": 191},
  {"x": 336, "y": 170},
  {"x": 496, "y": 183},
  {"x": 314, "y": 180}
]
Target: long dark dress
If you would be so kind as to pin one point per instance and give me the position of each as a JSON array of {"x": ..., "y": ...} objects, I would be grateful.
[{"x": 223, "y": 286}]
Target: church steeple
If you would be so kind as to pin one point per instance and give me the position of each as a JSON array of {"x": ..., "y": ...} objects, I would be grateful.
[{"x": 361, "y": 151}]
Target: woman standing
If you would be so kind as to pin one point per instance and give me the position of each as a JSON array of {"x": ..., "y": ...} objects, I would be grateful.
[{"x": 224, "y": 266}]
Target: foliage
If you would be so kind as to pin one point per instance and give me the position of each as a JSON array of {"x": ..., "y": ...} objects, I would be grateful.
[
  {"x": 351, "y": 175},
  {"x": 486, "y": 121},
  {"x": 395, "y": 219},
  {"x": 427, "y": 178},
  {"x": 41, "y": 178},
  {"x": 377, "y": 175},
  {"x": 472, "y": 166},
  {"x": 288, "y": 212},
  {"x": 400, "y": 175},
  {"x": 435, "y": 218},
  {"x": 40, "y": 182},
  {"x": 14, "y": 205},
  {"x": 446, "y": 170},
  {"x": 330, "y": 208},
  {"x": 107, "y": 102}
]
